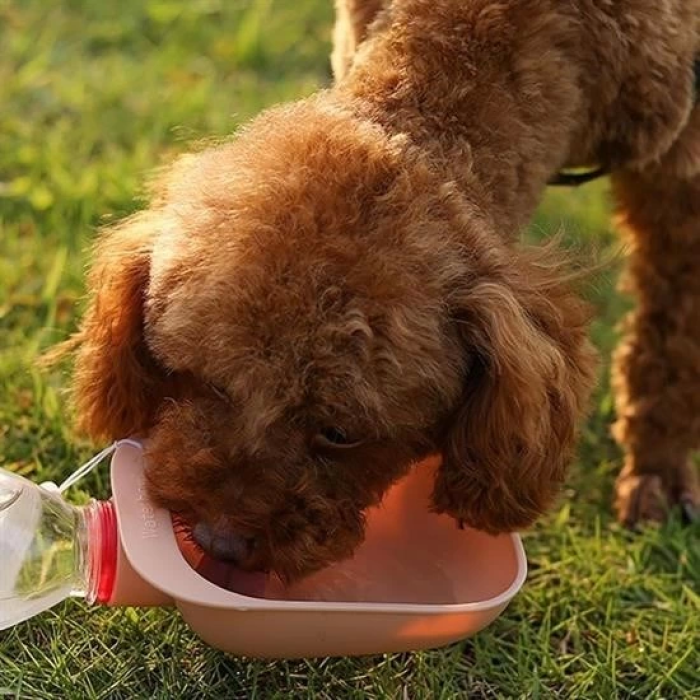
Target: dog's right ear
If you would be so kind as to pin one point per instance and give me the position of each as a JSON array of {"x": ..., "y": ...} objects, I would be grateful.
[
  {"x": 117, "y": 383},
  {"x": 508, "y": 444}
]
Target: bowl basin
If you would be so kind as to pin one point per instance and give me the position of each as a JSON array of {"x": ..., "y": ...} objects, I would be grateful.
[{"x": 418, "y": 581}]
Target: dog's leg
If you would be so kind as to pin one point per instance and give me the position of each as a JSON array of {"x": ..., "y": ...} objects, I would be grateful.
[
  {"x": 352, "y": 20},
  {"x": 657, "y": 372}
]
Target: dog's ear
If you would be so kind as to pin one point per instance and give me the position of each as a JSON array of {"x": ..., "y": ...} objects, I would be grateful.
[
  {"x": 529, "y": 372},
  {"x": 117, "y": 383}
]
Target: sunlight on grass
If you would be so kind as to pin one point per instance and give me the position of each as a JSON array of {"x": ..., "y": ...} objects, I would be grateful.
[{"x": 95, "y": 95}]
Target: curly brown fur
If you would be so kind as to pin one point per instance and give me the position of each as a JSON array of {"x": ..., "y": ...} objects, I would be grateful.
[
  {"x": 352, "y": 21},
  {"x": 305, "y": 311}
]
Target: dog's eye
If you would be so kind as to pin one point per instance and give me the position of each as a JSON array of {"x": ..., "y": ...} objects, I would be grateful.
[{"x": 334, "y": 437}]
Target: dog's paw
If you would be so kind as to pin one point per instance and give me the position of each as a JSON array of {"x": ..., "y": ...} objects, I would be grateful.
[
  {"x": 640, "y": 498},
  {"x": 649, "y": 497}
]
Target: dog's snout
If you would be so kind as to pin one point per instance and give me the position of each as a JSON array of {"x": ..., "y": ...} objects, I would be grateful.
[{"x": 223, "y": 543}]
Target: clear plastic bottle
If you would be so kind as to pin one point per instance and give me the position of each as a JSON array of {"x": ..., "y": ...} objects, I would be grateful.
[{"x": 51, "y": 550}]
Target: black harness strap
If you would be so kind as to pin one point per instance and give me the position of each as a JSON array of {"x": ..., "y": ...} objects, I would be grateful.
[
  {"x": 573, "y": 178},
  {"x": 577, "y": 176}
]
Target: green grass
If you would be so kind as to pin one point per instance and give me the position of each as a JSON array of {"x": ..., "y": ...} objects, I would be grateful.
[{"x": 96, "y": 94}]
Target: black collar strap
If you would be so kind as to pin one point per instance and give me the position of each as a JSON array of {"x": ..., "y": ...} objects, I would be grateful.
[
  {"x": 580, "y": 176},
  {"x": 573, "y": 177}
]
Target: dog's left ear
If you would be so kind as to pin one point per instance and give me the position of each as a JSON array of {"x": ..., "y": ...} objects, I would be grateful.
[{"x": 530, "y": 371}]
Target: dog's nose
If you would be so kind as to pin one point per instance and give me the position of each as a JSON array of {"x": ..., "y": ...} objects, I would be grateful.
[{"x": 223, "y": 543}]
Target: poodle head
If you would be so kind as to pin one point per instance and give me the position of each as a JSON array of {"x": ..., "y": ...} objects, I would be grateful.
[{"x": 304, "y": 312}]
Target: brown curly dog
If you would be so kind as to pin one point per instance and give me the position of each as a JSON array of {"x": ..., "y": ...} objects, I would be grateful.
[{"x": 305, "y": 311}]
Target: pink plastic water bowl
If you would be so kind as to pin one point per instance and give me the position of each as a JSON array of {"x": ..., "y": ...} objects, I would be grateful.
[{"x": 418, "y": 581}]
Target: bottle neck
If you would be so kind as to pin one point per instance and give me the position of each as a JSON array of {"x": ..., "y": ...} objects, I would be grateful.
[{"x": 98, "y": 551}]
